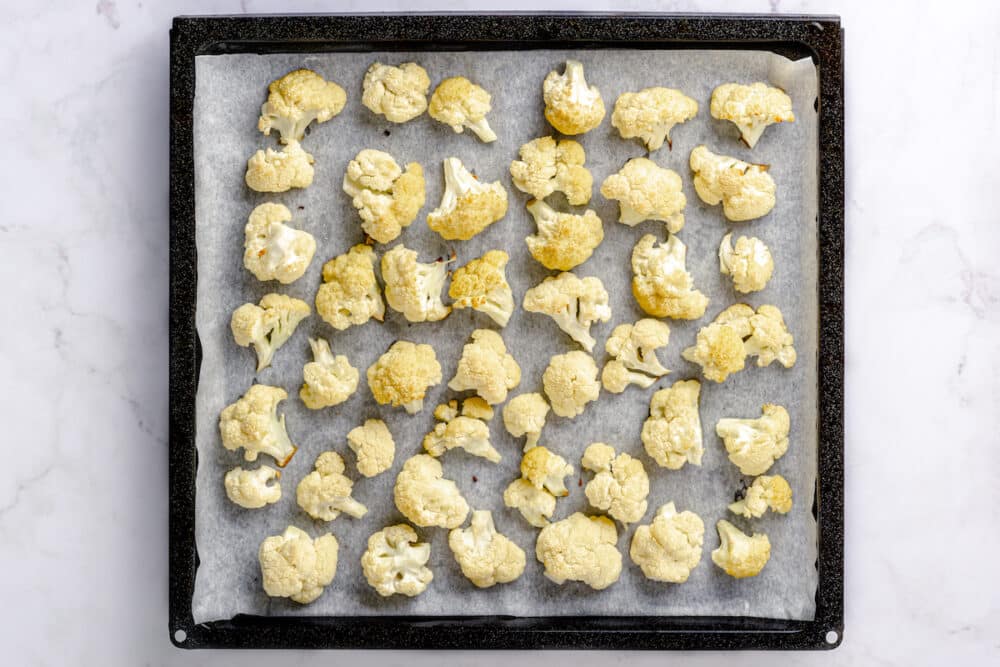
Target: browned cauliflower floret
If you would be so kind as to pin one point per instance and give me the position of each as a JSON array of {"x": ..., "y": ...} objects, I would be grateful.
[
  {"x": 280, "y": 171},
  {"x": 749, "y": 264},
  {"x": 525, "y": 415},
  {"x": 482, "y": 285},
  {"x": 672, "y": 432},
  {"x": 387, "y": 198},
  {"x": 535, "y": 505},
  {"x": 767, "y": 492},
  {"x": 373, "y": 444},
  {"x": 755, "y": 444},
  {"x": 670, "y": 547},
  {"x": 647, "y": 191},
  {"x": 414, "y": 288},
  {"x": 293, "y": 565},
  {"x": 486, "y": 367},
  {"x": 328, "y": 380},
  {"x": 464, "y": 431},
  {"x": 547, "y": 166},
  {"x": 395, "y": 563},
  {"x": 486, "y": 557},
  {"x": 425, "y": 497},
  {"x": 349, "y": 293},
  {"x": 751, "y": 108},
  {"x": 661, "y": 283},
  {"x": 571, "y": 105},
  {"x": 397, "y": 92},
  {"x": 546, "y": 470},
  {"x": 722, "y": 346},
  {"x": 403, "y": 374},
  {"x": 325, "y": 492},
  {"x": 739, "y": 554},
  {"x": 297, "y": 99},
  {"x": 272, "y": 249},
  {"x": 253, "y": 423},
  {"x": 745, "y": 190},
  {"x": 563, "y": 240},
  {"x": 570, "y": 382},
  {"x": 633, "y": 348},
  {"x": 462, "y": 104},
  {"x": 268, "y": 326},
  {"x": 651, "y": 113},
  {"x": 467, "y": 206},
  {"x": 620, "y": 485},
  {"x": 574, "y": 303},
  {"x": 580, "y": 548},
  {"x": 769, "y": 338},
  {"x": 719, "y": 350}
]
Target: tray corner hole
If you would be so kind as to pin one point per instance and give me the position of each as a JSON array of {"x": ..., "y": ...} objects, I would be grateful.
[
  {"x": 831, "y": 637},
  {"x": 180, "y": 636}
]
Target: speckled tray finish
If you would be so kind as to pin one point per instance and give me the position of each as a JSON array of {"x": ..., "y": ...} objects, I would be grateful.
[{"x": 819, "y": 37}]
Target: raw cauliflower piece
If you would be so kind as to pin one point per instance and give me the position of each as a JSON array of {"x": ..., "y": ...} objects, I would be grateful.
[
  {"x": 669, "y": 548},
  {"x": 749, "y": 264},
  {"x": 570, "y": 382},
  {"x": 563, "y": 240},
  {"x": 525, "y": 415},
  {"x": 297, "y": 99},
  {"x": 633, "y": 348},
  {"x": 414, "y": 288},
  {"x": 293, "y": 565},
  {"x": 456, "y": 431},
  {"x": 751, "y": 108},
  {"x": 252, "y": 489},
  {"x": 739, "y": 554},
  {"x": 646, "y": 191},
  {"x": 387, "y": 198},
  {"x": 349, "y": 293},
  {"x": 545, "y": 470},
  {"x": 395, "y": 562},
  {"x": 574, "y": 303},
  {"x": 486, "y": 557},
  {"x": 403, "y": 374},
  {"x": 486, "y": 367},
  {"x": 397, "y": 92},
  {"x": 462, "y": 104},
  {"x": 672, "y": 432},
  {"x": 467, "y": 205},
  {"x": 767, "y": 491},
  {"x": 535, "y": 505},
  {"x": 267, "y": 326},
  {"x": 580, "y": 548},
  {"x": 280, "y": 171},
  {"x": 769, "y": 338},
  {"x": 253, "y": 423},
  {"x": 651, "y": 113},
  {"x": 661, "y": 284},
  {"x": 745, "y": 190},
  {"x": 425, "y": 497},
  {"x": 326, "y": 492},
  {"x": 620, "y": 486},
  {"x": 373, "y": 444},
  {"x": 547, "y": 166},
  {"x": 272, "y": 249},
  {"x": 327, "y": 380},
  {"x": 755, "y": 444},
  {"x": 571, "y": 106},
  {"x": 482, "y": 285}
]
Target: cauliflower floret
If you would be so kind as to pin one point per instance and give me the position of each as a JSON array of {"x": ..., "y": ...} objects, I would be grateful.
[
  {"x": 661, "y": 284},
  {"x": 252, "y": 488},
  {"x": 326, "y": 492},
  {"x": 414, "y": 288},
  {"x": 669, "y": 547},
  {"x": 399, "y": 93},
  {"x": 739, "y": 554},
  {"x": 525, "y": 415},
  {"x": 755, "y": 444},
  {"x": 253, "y": 423},
  {"x": 769, "y": 338},
  {"x": 651, "y": 113},
  {"x": 297, "y": 99},
  {"x": 647, "y": 191},
  {"x": 620, "y": 486},
  {"x": 564, "y": 240},
  {"x": 672, "y": 432},
  {"x": 395, "y": 563},
  {"x": 349, "y": 293},
  {"x": 772, "y": 492},
  {"x": 546, "y": 470},
  {"x": 268, "y": 326},
  {"x": 749, "y": 263},
  {"x": 580, "y": 548},
  {"x": 403, "y": 374},
  {"x": 387, "y": 198},
  {"x": 477, "y": 408},
  {"x": 719, "y": 348},
  {"x": 373, "y": 444},
  {"x": 570, "y": 382},
  {"x": 546, "y": 167},
  {"x": 486, "y": 367},
  {"x": 486, "y": 557},
  {"x": 280, "y": 171},
  {"x": 482, "y": 285},
  {"x": 571, "y": 106},
  {"x": 633, "y": 347},
  {"x": 462, "y": 104},
  {"x": 535, "y": 505},
  {"x": 573, "y": 303},
  {"x": 293, "y": 565},
  {"x": 752, "y": 108},
  {"x": 745, "y": 190},
  {"x": 328, "y": 380},
  {"x": 467, "y": 206},
  {"x": 462, "y": 432},
  {"x": 272, "y": 249},
  {"x": 425, "y": 497}
]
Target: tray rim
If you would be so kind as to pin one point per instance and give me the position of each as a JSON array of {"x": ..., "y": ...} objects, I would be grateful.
[{"x": 820, "y": 36}]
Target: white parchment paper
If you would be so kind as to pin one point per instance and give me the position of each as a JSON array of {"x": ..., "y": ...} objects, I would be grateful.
[{"x": 230, "y": 90}]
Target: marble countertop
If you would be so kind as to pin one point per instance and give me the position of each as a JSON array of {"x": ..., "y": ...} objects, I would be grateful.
[{"x": 84, "y": 239}]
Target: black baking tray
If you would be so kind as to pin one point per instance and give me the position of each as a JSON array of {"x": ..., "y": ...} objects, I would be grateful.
[{"x": 819, "y": 37}]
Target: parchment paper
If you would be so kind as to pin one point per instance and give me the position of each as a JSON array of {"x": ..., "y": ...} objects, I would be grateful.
[{"x": 230, "y": 90}]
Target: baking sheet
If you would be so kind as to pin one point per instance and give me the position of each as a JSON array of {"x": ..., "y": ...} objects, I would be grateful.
[{"x": 229, "y": 92}]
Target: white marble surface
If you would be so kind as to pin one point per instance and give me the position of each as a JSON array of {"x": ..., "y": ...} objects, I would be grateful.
[{"x": 84, "y": 243}]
